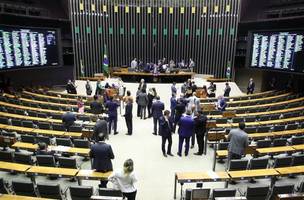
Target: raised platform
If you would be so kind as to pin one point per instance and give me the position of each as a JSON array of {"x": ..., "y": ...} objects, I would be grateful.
[{"x": 149, "y": 77}]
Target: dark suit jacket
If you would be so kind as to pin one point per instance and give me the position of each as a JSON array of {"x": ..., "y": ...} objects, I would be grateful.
[
  {"x": 227, "y": 91},
  {"x": 157, "y": 109},
  {"x": 143, "y": 87},
  {"x": 200, "y": 125},
  {"x": 128, "y": 110},
  {"x": 112, "y": 108},
  {"x": 101, "y": 126},
  {"x": 165, "y": 128},
  {"x": 251, "y": 87},
  {"x": 68, "y": 119},
  {"x": 173, "y": 103},
  {"x": 102, "y": 153},
  {"x": 186, "y": 126},
  {"x": 96, "y": 107}
]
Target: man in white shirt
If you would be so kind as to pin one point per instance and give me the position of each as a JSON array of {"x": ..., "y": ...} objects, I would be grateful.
[{"x": 134, "y": 64}]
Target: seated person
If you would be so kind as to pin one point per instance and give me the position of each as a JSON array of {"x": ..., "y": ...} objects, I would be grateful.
[
  {"x": 43, "y": 150},
  {"x": 212, "y": 89},
  {"x": 221, "y": 103}
]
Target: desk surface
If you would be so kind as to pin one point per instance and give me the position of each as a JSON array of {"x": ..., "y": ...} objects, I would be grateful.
[
  {"x": 201, "y": 176},
  {"x": 51, "y": 97},
  {"x": 53, "y": 170},
  {"x": 290, "y": 170},
  {"x": 14, "y": 166},
  {"x": 84, "y": 173},
  {"x": 275, "y": 149},
  {"x": 253, "y": 173},
  {"x": 151, "y": 74},
  {"x": 16, "y": 116},
  {"x": 298, "y": 147},
  {"x": 18, "y": 197}
]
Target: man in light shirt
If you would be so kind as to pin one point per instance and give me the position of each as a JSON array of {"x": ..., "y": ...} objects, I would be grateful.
[{"x": 134, "y": 64}]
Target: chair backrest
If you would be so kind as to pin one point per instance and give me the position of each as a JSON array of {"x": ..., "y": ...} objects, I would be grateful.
[
  {"x": 250, "y": 119},
  {"x": 263, "y": 129},
  {"x": 42, "y": 115},
  {"x": 28, "y": 138},
  {"x": 6, "y": 156},
  {"x": 279, "y": 142},
  {"x": 291, "y": 126},
  {"x": 281, "y": 189},
  {"x": 108, "y": 192},
  {"x": 279, "y": 128},
  {"x": 3, "y": 120},
  {"x": 81, "y": 143},
  {"x": 238, "y": 165},
  {"x": 28, "y": 124},
  {"x": 44, "y": 139},
  {"x": 258, "y": 163},
  {"x": 81, "y": 192},
  {"x": 250, "y": 130},
  {"x": 16, "y": 122},
  {"x": 282, "y": 162},
  {"x": 23, "y": 158},
  {"x": 58, "y": 127},
  {"x": 200, "y": 194},
  {"x": 25, "y": 188},
  {"x": 257, "y": 192},
  {"x": 221, "y": 120},
  {"x": 223, "y": 192},
  {"x": 237, "y": 120},
  {"x": 263, "y": 143},
  {"x": 75, "y": 128},
  {"x": 3, "y": 189},
  {"x": 84, "y": 118},
  {"x": 46, "y": 160},
  {"x": 67, "y": 162},
  {"x": 44, "y": 125},
  {"x": 298, "y": 160},
  {"x": 297, "y": 140},
  {"x": 49, "y": 190},
  {"x": 223, "y": 145},
  {"x": 9, "y": 134},
  {"x": 64, "y": 142}
]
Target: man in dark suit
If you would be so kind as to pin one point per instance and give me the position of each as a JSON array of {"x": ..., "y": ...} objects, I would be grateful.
[
  {"x": 173, "y": 89},
  {"x": 165, "y": 130},
  {"x": 112, "y": 112},
  {"x": 185, "y": 131},
  {"x": 227, "y": 90},
  {"x": 179, "y": 110},
  {"x": 101, "y": 126},
  {"x": 95, "y": 106},
  {"x": 128, "y": 115},
  {"x": 102, "y": 153},
  {"x": 157, "y": 112},
  {"x": 68, "y": 119},
  {"x": 200, "y": 122},
  {"x": 173, "y": 103},
  {"x": 251, "y": 86}
]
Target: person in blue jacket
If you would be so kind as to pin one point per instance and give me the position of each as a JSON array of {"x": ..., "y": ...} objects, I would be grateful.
[
  {"x": 185, "y": 131},
  {"x": 112, "y": 112}
]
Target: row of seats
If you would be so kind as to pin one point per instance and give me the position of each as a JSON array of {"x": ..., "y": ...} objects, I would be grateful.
[
  {"x": 258, "y": 192},
  {"x": 265, "y": 129},
  {"x": 263, "y": 163},
  {"x": 40, "y": 160},
  {"x": 40, "y": 125},
  {"x": 54, "y": 191}
]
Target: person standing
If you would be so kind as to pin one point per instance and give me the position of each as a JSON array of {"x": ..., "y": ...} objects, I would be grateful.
[
  {"x": 157, "y": 112},
  {"x": 124, "y": 180},
  {"x": 95, "y": 106},
  {"x": 179, "y": 110},
  {"x": 184, "y": 88},
  {"x": 151, "y": 96},
  {"x": 173, "y": 103},
  {"x": 138, "y": 106},
  {"x": 238, "y": 142},
  {"x": 88, "y": 88},
  {"x": 251, "y": 86},
  {"x": 142, "y": 85},
  {"x": 173, "y": 89},
  {"x": 68, "y": 119},
  {"x": 101, "y": 127},
  {"x": 165, "y": 130},
  {"x": 80, "y": 105},
  {"x": 143, "y": 102},
  {"x": 227, "y": 90},
  {"x": 99, "y": 89},
  {"x": 200, "y": 122},
  {"x": 112, "y": 106},
  {"x": 134, "y": 64},
  {"x": 102, "y": 153},
  {"x": 185, "y": 130},
  {"x": 191, "y": 64},
  {"x": 128, "y": 115}
]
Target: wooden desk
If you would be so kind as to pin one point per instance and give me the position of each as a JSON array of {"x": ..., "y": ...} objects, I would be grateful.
[
  {"x": 275, "y": 150},
  {"x": 288, "y": 132},
  {"x": 30, "y": 108},
  {"x": 91, "y": 175},
  {"x": 256, "y": 173},
  {"x": 18, "y": 128},
  {"x": 290, "y": 170},
  {"x": 191, "y": 177},
  {"x": 19, "y": 197},
  {"x": 24, "y": 117},
  {"x": 73, "y": 134},
  {"x": 53, "y": 170},
  {"x": 299, "y": 147},
  {"x": 34, "y": 147},
  {"x": 48, "y": 132},
  {"x": 51, "y": 97},
  {"x": 66, "y": 94},
  {"x": 8, "y": 166}
]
